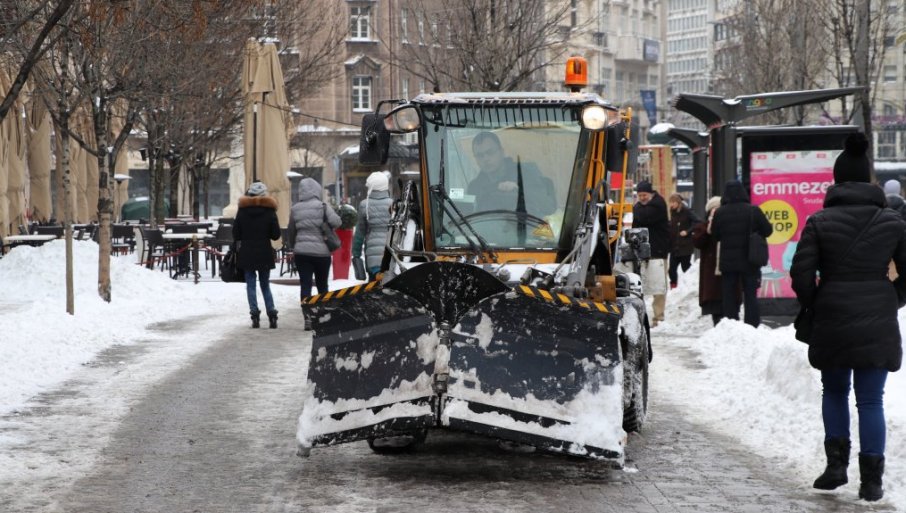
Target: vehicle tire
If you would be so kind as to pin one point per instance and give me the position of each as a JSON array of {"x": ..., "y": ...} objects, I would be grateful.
[
  {"x": 397, "y": 444},
  {"x": 634, "y": 415}
]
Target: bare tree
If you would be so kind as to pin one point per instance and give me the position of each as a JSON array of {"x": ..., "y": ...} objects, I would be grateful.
[
  {"x": 857, "y": 38},
  {"x": 483, "y": 45},
  {"x": 23, "y": 18},
  {"x": 776, "y": 45}
]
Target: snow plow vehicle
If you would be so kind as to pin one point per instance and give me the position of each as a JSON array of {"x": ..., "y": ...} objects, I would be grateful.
[{"x": 498, "y": 311}]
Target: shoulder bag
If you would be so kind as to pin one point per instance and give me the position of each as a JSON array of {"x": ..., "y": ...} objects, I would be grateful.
[
  {"x": 331, "y": 239},
  {"x": 229, "y": 266},
  {"x": 758, "y": 245}
]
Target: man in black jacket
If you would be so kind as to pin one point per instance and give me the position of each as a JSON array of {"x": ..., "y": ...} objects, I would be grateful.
[
  {"x": 650, "y": 211},
  {"x": 733, "y": 222}
]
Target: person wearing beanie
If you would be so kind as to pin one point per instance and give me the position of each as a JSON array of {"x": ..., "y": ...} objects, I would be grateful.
[
  {"x": 894, "y": 199},
  {"x": 650, "y": 211},
  {"x": 852, "y": 165},
  {"x": 254, "y": 228},
  {"x": 734, "y": 221},
  {"x": 310, "y": 252},
  {"x": 710, "y": 293},
  {"x": 373, "y": 223},
  {"x": 840, "y": 277}
]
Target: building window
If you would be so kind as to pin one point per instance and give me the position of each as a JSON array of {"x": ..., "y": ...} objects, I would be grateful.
[
  {"x": 421, "y": 31},
  {"x": 361, "y": 94},
  {"x": 890, "y": 73},
  {"x": 886, "y": 144},
  {"x": 360, "y": 23},
  {"x": 573, "y": 14},
  {"x": 404, "y": 26},
  {"x": 405, "y": 89}
]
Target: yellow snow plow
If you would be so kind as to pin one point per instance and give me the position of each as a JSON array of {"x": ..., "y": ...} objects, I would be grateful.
[{"x": 498, "y": 310}]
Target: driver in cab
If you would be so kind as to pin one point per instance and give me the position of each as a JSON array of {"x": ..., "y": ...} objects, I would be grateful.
[{"x": 497, "y": 185}]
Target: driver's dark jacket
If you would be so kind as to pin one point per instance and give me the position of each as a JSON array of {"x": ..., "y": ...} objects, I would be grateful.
[
  {"x": 855, "y": 304},
  {"x": 540, "y": 198}
]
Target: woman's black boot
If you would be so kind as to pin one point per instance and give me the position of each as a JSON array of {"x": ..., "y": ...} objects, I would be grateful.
[
  {"x": 837, "y": 450},
  {"x": 256, "y": 320},
  {"x": 871, "y": 468},
  {"x": 272, "y": 319}
]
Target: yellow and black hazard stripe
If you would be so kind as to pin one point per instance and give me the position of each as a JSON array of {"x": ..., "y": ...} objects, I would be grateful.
[
  {"x": 562, "y": 299},
  {"x": 337, "y": 294}
]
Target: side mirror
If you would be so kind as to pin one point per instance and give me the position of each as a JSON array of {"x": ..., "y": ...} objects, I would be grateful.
[
  {"x": 374, "y": 141},
  {"x": 613, "y": 161}
]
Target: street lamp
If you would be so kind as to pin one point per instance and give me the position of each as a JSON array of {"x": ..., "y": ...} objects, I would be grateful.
[{"x": 120, "y": 178}]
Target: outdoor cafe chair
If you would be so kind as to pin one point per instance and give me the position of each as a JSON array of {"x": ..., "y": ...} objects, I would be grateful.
[
  {"x": 285, "y": 255},
  {"x": 55, "y": 230},
  {"x": 123, "y": 239}
]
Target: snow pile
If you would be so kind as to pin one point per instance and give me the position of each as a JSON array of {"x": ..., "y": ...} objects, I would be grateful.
[{"x": 42, "y": 344}]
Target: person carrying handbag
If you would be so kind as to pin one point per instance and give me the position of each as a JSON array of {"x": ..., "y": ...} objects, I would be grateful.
[
  {"x": 732, "y": 227},
  {"x": 255, "y": 227},
  {"x": 839, "y": 272},
  {"x": 308, "y": 220}
]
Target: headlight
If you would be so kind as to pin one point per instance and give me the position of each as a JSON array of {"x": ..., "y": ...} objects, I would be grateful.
[
  {"x": 596, "y": 117},
  {"x": 403, "y": 120}
]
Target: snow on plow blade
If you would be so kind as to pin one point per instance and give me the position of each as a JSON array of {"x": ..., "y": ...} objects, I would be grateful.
[
  {"x": 371, "y": 364},
  {"x": 541, "y": 369},
  {"x": 448, "y": 344}
]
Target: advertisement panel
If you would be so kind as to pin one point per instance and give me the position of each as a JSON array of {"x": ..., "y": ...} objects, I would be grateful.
[{"x": 788, "y": 186}]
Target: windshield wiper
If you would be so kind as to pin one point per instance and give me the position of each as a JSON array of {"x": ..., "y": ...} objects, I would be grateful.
[
  {"x": 520, "y": 204},
  {"x": 440, "y": 190}
]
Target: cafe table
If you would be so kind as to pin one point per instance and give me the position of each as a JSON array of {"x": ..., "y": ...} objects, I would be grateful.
[
  {"x": 192, "y": 243},
  {"x": 31, "y": 240}
]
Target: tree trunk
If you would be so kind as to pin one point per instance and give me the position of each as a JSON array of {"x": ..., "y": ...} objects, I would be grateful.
[
  {"x": 105, "y": 199},
  {"x": 175, "y": 165}
]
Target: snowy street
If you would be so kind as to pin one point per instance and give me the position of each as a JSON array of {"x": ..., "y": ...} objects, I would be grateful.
[{"x": 194, "y": 411}]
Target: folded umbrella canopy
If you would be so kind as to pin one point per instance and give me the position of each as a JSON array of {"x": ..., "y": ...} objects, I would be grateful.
[{"x": 268, "y": 123}]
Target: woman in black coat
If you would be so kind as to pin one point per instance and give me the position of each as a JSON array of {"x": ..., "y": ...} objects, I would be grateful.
[
  {"x": 839, "y": 272},
  {"x": 733, "y": 222},
  {"x": 254, "y": 228}
]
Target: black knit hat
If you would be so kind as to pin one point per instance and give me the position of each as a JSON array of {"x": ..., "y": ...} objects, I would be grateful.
[
  {"x": 644, "y": 186},
  {"x": 853, "y": 165}
]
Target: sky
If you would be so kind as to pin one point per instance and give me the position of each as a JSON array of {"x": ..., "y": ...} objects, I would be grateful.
[{"x": 753, "y": 385}]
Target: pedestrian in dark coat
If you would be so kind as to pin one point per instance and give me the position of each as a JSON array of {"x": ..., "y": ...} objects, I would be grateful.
[
  {"x": 709, "y": 282},
  {"x": 682, "y": 220},
  {"x": 839, "y": 272},
  {"x": 733, "y": 222},
  {"x": 650, "y": 211},
  {"x": 254, "y": 228},
  {"x": 304, "y": 233}
]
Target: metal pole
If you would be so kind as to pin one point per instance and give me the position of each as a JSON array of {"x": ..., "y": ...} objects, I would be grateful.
[
  {"x": 699, "y": 180},
  {"x": 255, "y": 141}
]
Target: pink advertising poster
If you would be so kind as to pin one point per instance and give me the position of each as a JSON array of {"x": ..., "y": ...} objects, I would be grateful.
[{"x": 788, "y": 186}]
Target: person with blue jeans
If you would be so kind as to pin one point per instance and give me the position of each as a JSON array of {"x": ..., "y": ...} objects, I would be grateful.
[
  {"x": 255, "y": 227},
  {"x": 840, "y": 276}
]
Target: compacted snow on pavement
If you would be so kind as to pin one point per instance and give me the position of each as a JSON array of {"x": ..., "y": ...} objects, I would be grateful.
[{"x": 753, "y": 385}]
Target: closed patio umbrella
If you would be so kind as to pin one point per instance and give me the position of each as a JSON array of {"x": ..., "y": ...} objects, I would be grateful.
[
  {"x": 39, "y": 198},
  {"x": 267, "y": 131}
]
